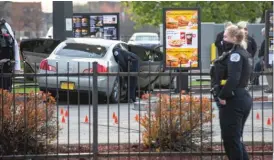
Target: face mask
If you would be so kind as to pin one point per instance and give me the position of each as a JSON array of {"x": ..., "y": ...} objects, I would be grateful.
[{"x": 227, "y": 46}]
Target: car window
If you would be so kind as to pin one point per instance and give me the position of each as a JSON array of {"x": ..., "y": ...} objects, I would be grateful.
[
  {"x": 146, "y": 54},
  {"x": 147, "y": 38},
  {"x": 45, "y": 46},
  {"x": 50, "y": 45},
  {"x": 82, "y": 50},
  {"x": 157, "y": 56},
  {"x": 139, "y": 51},
  {"x": 27, "y": 46},
  {"x": 39, "y": 46},
  {"x": 159, "y": 48}
]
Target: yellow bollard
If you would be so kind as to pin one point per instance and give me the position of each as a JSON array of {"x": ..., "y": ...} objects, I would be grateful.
[{"x": 213, "y": 52}]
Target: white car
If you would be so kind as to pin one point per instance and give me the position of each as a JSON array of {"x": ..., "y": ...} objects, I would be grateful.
[
  {"x": 150, "y": 40},
  {"x": 76, "y": 55}
]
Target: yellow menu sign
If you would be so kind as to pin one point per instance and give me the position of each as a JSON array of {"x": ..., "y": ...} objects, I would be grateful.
[{"x": 181, "y": 30}]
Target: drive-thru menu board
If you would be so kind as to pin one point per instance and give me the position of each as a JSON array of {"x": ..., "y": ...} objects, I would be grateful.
[
  {"x": 100, "y": 25},
  {"x": 181, "y": 38},
  {"x": 269, "y": 48}
]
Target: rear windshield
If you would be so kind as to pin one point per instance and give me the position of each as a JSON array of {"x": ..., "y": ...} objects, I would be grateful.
[
  {"x": 82, "y": 50},
  {"x": 147, "y": 38}
]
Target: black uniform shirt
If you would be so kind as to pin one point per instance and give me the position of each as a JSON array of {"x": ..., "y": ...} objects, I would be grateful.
[
  {"x": 251, "y": 46},
  {"x": 238, "y": 72},
  {"x": 125, "y": 59}
]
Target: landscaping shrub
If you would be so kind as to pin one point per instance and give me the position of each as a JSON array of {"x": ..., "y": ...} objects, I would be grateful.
[
  {"x": 27, "y": 124},
  {"x": 175, "y": 124}
]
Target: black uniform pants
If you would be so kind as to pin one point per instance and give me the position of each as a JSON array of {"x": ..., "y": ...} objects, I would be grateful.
[
  {"x": 133, "y": 80},
  {"x": 5, "y": 82},
  {"x": 233, "y": 116}
]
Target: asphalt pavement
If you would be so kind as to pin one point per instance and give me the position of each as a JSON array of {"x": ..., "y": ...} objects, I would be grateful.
[{"x": 75, "y": 130}]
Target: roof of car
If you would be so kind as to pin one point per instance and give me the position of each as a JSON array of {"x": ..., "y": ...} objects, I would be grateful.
[
  {"x": 145, "y": 34},
  {"x": 93, "y": 41}
]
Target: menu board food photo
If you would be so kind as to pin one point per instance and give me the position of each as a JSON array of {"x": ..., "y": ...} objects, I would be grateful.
[
  {"x": 181, "y": 38},
  {"x": 110, "y": 19},
  {"x": 77, "y": 21},
  {"x": 98, "y": 25}
]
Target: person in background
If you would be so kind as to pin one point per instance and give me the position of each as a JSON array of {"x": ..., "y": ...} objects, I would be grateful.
[
  {"x": 269, "y": 78},
  {"x": 9, "y": 57},
  {"x": 251, "y": 43},
  {"x": 219, "y": 40},
  {"x": 259, "y": 63}
]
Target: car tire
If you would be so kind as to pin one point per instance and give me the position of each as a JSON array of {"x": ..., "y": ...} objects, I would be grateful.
[
  {"x": 114, "y": 97},
  {"x": 53, "y": 93},
  {"x": 150, "y": 87}
]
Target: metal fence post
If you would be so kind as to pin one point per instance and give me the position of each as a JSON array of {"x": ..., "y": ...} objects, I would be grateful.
[{"x": 95, "y": 110}]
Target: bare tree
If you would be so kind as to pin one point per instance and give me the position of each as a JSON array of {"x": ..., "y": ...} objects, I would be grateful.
[
  {"x": 32, "y": 19},
  {"x": 37, "y": 19},
  {"x": 5, "y": 11}
]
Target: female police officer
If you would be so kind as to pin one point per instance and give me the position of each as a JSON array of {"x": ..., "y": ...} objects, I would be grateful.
[{"x": 235, "y": 101}]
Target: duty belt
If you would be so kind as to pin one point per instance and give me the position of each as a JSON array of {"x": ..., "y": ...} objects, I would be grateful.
[{"x": 223, "y": 82}]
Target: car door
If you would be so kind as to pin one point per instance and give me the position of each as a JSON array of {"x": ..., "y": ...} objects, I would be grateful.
[
  {"x": 35, "y": 50},
  {"x": 151, "y": 62},
  {"x": 164, "y": 81}
]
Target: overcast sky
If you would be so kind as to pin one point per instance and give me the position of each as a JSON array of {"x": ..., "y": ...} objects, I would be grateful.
[{"x": 47, "y": 4}]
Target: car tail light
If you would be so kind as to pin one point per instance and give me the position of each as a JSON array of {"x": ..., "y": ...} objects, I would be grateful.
[
  {"x": 100, "y": 69},
  {"x": 45, "y": 66}
]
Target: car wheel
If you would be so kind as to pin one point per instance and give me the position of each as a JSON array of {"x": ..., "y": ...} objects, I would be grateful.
[
  {"x": 53, "y": 93},
  {"x": 114, "y": 97},
  {"x": 150, "y": 87}
]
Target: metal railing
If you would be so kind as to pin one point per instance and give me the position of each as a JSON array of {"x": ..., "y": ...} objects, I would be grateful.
[{"x": 160, "y": 124}]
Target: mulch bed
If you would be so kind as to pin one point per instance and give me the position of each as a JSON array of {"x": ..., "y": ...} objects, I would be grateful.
[
  {"x": 139, "y": 148},
  {"x": 265, "y": 98}
]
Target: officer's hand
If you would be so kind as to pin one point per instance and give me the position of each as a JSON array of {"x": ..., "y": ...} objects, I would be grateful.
[{"x": 222, "y": 102}]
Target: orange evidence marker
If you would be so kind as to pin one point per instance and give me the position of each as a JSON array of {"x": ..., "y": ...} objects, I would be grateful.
[
  {"x": 63, "y": 119},
  {"x": 113, "y": 115},
  {"x": 86, "y": 119},
  {"x": 62, "y": 111},
  {"x": 66, "y": 114},
  {"x": 137, "y": 118},
  {"x": 258, "y": 116},
  {"x": 269, "y": 122},
  {"x": 116, "y": 120}
]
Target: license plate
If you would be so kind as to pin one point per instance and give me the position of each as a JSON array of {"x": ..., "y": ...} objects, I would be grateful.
[{"x": 67, "y": 85}]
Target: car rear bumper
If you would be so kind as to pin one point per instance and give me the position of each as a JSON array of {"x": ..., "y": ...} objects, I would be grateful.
[{"x": 83, "y": 83}]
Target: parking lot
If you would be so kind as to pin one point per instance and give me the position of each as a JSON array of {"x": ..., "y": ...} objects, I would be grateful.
[{"x": 127, "y": 130}]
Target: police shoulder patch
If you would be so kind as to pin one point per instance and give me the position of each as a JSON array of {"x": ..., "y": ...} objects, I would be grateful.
[
  {"x": 116, "y": 53},
  {"x": 235, "y": 57}
]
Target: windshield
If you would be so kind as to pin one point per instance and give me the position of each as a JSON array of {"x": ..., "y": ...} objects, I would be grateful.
[
  {"x": 82, "y": 50},
  {"x": 147, "y": 38}
]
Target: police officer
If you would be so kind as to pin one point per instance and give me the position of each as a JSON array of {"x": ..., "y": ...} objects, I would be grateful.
[
  {"x": 235, "y": 101},
  {"x": 128, "y": 62},
  {"x": 217, "y": 74},
  {"x": 7, "y": 53}
]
